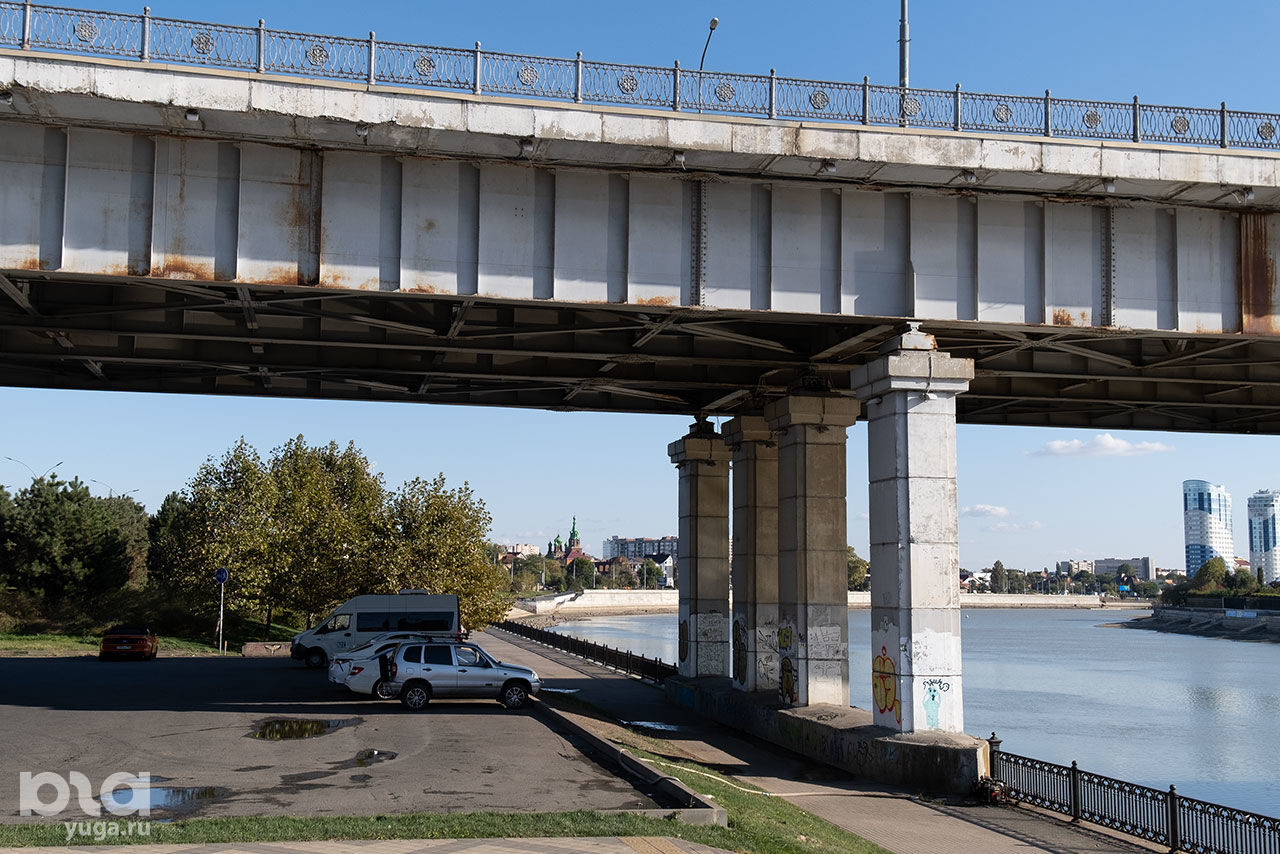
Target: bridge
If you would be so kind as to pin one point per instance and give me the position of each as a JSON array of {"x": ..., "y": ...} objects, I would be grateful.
[{"x": 196, "y": 208}]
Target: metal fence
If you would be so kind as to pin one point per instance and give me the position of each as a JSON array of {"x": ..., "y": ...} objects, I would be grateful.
[
  {"x": 628, "y": 662},
  {"x": 1159, "y": 816},
  {"x": 147, "y": 38}
]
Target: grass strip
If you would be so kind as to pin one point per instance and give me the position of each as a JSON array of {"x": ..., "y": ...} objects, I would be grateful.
[
  {"x": 758, "y": 824},
  {"x": 55, "y": 644}
]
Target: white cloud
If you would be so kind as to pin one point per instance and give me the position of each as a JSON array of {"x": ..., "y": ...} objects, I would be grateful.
[
  {"x": 1102, "y": 445},
  {"x": 985, "y": 510},
  {"x": 1014, "y": 527}
]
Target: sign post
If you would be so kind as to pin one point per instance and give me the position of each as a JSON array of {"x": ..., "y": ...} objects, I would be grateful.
[{"x": 221, "y": 575}]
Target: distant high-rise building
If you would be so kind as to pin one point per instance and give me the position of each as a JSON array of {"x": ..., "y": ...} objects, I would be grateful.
[
  {"x": 637, "y": 547},
  {"x": 1264, "y": 506},
  {"x": 1206, "y": 521}
]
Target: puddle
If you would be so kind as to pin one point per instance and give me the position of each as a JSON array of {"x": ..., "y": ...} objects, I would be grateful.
[
  {"x": 172, "y": 798},
  {"x": 282, "y": 729},
  {"x": 657, "y": 726},
  {"x": 547, "y": 690}
]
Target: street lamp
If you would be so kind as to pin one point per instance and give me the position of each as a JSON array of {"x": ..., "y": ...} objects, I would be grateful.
[
  {"x": 111, "y": 493},
  {"x": 904, "y": 64},
  {"x": 711, "y": 28},
  {"x": 33, "y": 471}
]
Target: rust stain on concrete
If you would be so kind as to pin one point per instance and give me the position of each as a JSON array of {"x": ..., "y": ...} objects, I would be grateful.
[
  {"x": 1257, "y": 275},
  {"x": 654, "y": 301},
  {"x": 1062, "y": 317}
]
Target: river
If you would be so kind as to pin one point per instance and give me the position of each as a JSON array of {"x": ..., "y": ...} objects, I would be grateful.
[{"x": 1058, "y": 685}]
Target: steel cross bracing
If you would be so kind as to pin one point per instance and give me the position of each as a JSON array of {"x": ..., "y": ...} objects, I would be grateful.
[{"x": 84, "y": 332}]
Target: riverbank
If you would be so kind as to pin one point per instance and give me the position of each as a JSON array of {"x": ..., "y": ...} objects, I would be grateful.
[
  {"x": 1208, "y": 623},
  {"x": 556, "y": 608}
]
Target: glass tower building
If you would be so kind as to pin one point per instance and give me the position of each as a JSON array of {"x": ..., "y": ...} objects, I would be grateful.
[
  {"x": 1264, "y": 506},
  {"x": 1206, "y": 521}
]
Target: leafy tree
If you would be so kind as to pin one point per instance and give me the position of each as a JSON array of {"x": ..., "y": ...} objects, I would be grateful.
[
  {"x": 1243, "y": 582},
  {"x": 583, "y": 573},
  {"x": 439, "y": 547},
  {"x": 330, "y": 528},
  {"x": 857, "y": 568},
  {"x": 1211, "y": 575},
  {"x": 1147, "y": 589},
  {"x": 1017, "y": 581},
  {"x": 650, "y": 574},
  {"x": 999, "y": 579}
]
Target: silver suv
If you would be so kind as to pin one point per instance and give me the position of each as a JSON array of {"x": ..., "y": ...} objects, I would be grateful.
[{"x": 446, "y": 669}]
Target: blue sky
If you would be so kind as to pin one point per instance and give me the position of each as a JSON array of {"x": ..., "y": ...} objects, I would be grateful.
[{"x": 1028, "y": 497}]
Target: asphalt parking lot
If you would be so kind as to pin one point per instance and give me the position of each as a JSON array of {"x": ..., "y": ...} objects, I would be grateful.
[{"x": 190, "y": 723}]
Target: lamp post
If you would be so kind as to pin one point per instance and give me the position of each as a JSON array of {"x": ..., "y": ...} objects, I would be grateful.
[
  {"x": 33, "y": 471},
  {"x": 711, "y": 28},
  {"x": 111, "y": 493}
]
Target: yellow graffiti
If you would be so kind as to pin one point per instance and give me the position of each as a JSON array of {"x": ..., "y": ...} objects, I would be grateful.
[
  {"x": 784, "y": 637},
  {"x": 884, "y": 684},
  {"x": 787, "y": 683}
]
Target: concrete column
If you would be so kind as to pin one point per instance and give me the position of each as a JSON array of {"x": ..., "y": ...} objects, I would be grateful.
[
  {"x": 813, "y": 609},
  {"x": 755, "y": 553},
  {"x": 909, "y": 394},
  {"x": 703, "y": 573}
]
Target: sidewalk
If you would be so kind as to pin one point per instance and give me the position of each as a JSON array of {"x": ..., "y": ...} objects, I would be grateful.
[{"x": 891, "y": 818}]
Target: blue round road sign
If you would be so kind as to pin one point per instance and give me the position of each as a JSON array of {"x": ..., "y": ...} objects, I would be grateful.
[{"x": 221, "y": 575}]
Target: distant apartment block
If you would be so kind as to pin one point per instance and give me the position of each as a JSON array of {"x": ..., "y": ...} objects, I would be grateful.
[
  {"x": 1264, "y": 506},
  {"x": 1206, "y": 522},
  {"x": 637, "y": 547},
  {"x": 523, "y": 549},
  {"x": 1071, "y": 567},
  {"x": 1142, "y": 568}
]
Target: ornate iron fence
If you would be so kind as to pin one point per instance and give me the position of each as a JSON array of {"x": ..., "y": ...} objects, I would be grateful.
[
  {"x": 628, "y": 662},
  {"x": 1162, "y": 817},
  {"x": 30, "y": 26}
]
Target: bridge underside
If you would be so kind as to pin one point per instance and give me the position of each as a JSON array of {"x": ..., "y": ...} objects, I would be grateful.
[{"x": 134, "y": 334}]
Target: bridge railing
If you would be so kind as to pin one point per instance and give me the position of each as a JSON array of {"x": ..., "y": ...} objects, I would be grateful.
[
  {"x": 619, "y": 659},
  {"x": 1163, "y": 817},
  {"x": 31, "y": 26}
]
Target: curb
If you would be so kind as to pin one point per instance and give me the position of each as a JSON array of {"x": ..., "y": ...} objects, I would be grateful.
[{"x": 700, "y": 812}]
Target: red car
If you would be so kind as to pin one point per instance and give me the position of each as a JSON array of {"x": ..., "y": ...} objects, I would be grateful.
[{"x": 128, "y": 642}]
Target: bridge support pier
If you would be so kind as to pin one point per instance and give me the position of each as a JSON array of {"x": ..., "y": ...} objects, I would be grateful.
[
  {"x": 754, "y": 641},
  {"x": 703, "y": 575},
  {"x": 813, "y": 618},
  {"x": 909, "y": 394}
]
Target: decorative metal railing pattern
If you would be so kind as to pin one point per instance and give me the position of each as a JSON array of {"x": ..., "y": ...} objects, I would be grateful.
[
  {"x": 619, "y": 659},
  {"x": 1163, "y": 817},
  {"x": 37, "y": 27}
]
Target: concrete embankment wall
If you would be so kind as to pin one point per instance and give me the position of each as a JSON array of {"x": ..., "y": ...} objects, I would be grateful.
[
  {"x": 623, "y": 600},
  {"x": 841, "y": 736}
]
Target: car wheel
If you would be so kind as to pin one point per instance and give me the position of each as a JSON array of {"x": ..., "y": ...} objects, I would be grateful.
[
  {"x": 384, "y": 690},
  {"x": 514, "y": 695},
  {"x": 316, "y": 658},
  {"x": 415, "y": 696}
]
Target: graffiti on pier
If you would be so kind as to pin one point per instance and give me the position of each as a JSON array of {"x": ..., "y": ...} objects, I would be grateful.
[
  {"x": 740, "y": 652},
  {"x": 884, "y": 684},
  {"x": 932, "y": 702}
]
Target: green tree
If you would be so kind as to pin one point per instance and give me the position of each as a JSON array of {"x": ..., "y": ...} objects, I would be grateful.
[
  {"x": 1016, "y": 580},
  {"x": 329, "y": 529},
  {"x": 650, "y": 574},
  {"x": 582, "y": 573},
  {"x": 1211, "y": 575},
  {"x": 59, "y": 541},
  {"x": 857, "y": 568},
  {"x": 438, "y": 543},
  {"x": 999, "y": 579},
  {"x": 1243, "y": 582}
]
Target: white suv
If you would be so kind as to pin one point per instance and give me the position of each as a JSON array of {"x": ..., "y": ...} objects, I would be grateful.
[{"x": 425, "y": 669}]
